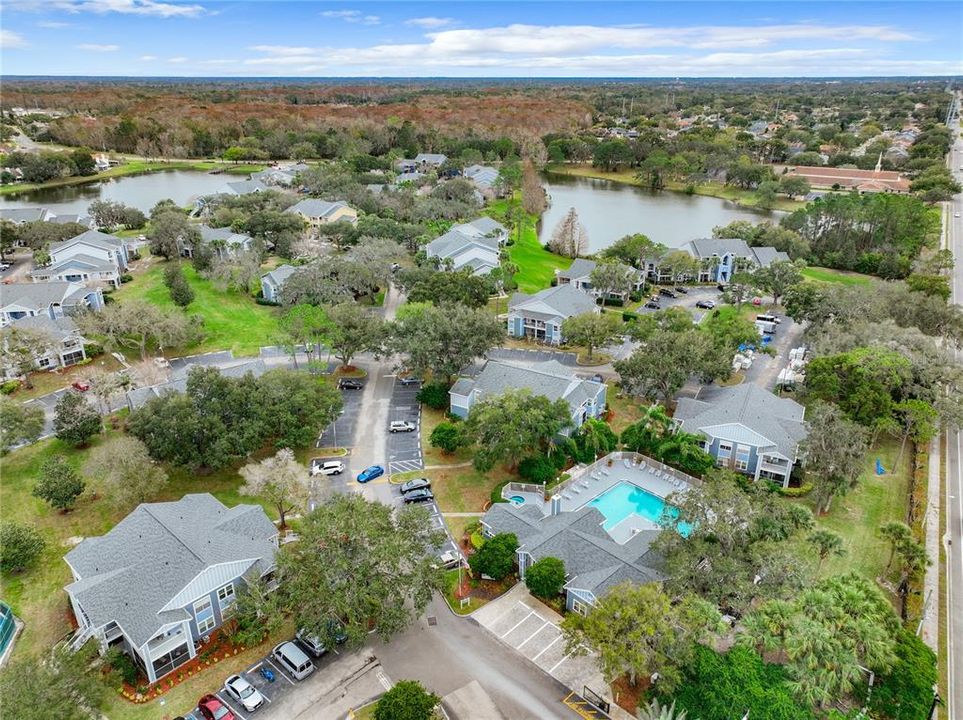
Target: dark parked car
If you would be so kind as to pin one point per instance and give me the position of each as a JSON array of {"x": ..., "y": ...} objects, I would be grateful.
[
  {"x": 416, "y": 484},
  {"x": 666, "y": 292},
  {"x": 409, "y": 381},
  {"x": 705, "y": 304},
  {"x": 682, "y": 290},
  {"x": 653, "y": 305},
  {"x": 350, "y": 384},
  {"x": 416, "y": 496}
]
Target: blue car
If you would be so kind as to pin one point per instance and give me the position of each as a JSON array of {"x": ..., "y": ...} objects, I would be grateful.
[{"x": 371, "y": 473}]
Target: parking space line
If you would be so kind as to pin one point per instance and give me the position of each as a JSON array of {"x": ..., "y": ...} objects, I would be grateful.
[
  {"x": 559, "y": 663},
  {"x": 546, "y": 623},
  {"x": 220, "y": 695},
  {"x": 279, "y": 671},
  {"x": 519, "y": 623},
  {"x": 547, "y": 647}
]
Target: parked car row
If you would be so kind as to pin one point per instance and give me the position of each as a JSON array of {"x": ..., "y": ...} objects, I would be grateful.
[{"x": 417, "y": 491}]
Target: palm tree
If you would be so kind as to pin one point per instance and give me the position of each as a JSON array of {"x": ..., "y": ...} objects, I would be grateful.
[
  {"x": 656, "y": 711},
  {"x": 897, "y": 533},
  {"x": 766, "y": 628},
  {"x": 826, "y": 543}
]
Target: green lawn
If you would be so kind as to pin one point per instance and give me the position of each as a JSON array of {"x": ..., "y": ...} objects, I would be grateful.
[
  {"x": 36, "y": 595},
  {"x": 232, "y": 320},
  {"x": 746, "y": 198},
  {"x": 841, "y": 277},
  {"x": 536, "y": 265},
  {"x": 857, "y": 516}
]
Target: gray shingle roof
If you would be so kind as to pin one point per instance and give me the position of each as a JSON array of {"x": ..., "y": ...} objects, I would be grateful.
[
  {"x": 39, "y": 296},
  {"x": 131, "y": 573},
  {"x": 209, "y": 234},
  {"x": 593, "y": 560},
  {"x": 243, "y": 187},
  {"x": 746, "y": 414},
  {"x": 314, "y": 208},
  {"x": 279, "y": 274},
  {"x": 70, "y": 218},
  {"x": 708, "y": 247},
  {"x": 766, "y": 256},
  {"x": 561, "y": 302},
  {"x": 22, "y": 215},
  {"x": 481, "y": 175},
  {"x": 580, "y": 267},
  {"x": 431, "y": 158},
  {"x": 91, "y": 237},
  {"x": 81, "y": 260},
  {"x": 59, "y": 328}
]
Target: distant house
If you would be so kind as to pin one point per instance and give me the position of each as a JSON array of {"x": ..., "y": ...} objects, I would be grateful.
[
  {"x": 594, "y": 561},
  {"x": 67, "y": 344},
  {"x": 540, "y": 316},
  {"x": 430, "y": 160},
  {"x": 223, "y": 242},
  {"x": 482, "y": 177},
  {"x": 84, "y": 220},
  {"x": 273, "y": 282},
  {"x": 19, "y": 216},
  {"x": 284, "y": 175},
  {"x": 747, "y": 429},
  {"x": 721, "y": 258},
  {"x": 877, "y": 180},
  {"x": 578, "y": 275},
  {"x": 92, "y": 257},
  {"x": 52, "y": 300},
  {"x": 585, "y": 398},
  {"x": 166, "y": 576},
  {"x": 474, "y": 245},
  {"x": 242, "y": 187},
  {"x": 408, "y": 176},
  {"x": 321, "y": 212}
]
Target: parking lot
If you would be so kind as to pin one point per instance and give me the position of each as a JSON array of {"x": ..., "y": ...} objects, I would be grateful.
[
  {"x": 404, "y": 448},
  {"x": 341, "y": 432},
  {"x": 687, "y": 300}
]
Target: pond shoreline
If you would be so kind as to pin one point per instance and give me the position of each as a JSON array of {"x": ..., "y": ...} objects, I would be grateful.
[
  {"x": 131, "y": 169},
  {"x": 742, "y": 198}
]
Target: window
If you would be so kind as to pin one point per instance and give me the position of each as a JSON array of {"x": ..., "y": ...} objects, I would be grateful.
[
  {"x": 204, "y": 614},
  {"x": 225, "y": 595},
  {"x": 742, "y": 457},
  {"x": 725, "y": 450},
  {"x": 580, "y": 606}
]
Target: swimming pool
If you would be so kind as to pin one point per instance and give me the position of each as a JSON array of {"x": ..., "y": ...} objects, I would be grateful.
[{"x": 624, "y": 499}]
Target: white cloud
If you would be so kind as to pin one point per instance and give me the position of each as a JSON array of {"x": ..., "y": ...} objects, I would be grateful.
[
  {"x": 125, "y": 7},
  {"x": 147, "y": 58},
  {"x": 52, "y": 25},
  {"x": 352, "y": 16},
  {"x": 96, "y": 47},
  {"x": 430, "y": 23},
  {"x": 10, "y": 39},
  {"x": 177, "y": 60}
]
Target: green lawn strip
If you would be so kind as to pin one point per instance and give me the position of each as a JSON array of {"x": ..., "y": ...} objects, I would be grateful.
[
  {"x": 133, "y": 167},
  {"x": 36, "y": 595},
  {"x": 625, "y": 410},
  {"x": 746, "y": 198},
  {"x": 451, "y": 585},
  {"x": 232, "y": 320},
  {"x": 536, "y": 265},
  {"x": 858, "y": 515},
  {"x": 841, "y": 277},
  {"x": 464, "y": 489},
  {"x": 430, "y": 418},
  {"x": 457, "y": 525},
  {"x": 48, "y": 382}
]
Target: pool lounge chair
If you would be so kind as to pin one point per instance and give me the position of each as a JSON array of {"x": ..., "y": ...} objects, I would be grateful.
[
  {"x": 626, "y": 463},
  {"x": 658, "y": 473},
  {"x": 584, "y": 483},
  {"x": 642, "y": 465},
  {"x": 605, "y": 472},
  {"x": 566, "y": 496}
]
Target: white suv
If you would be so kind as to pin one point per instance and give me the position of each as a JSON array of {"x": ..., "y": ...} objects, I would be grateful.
[
  {"x": 332, "y": 467},
  {"x": 401, "y": 426}
]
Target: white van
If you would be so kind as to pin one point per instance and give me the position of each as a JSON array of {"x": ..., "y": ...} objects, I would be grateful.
[{"x": 293, "y": 659}]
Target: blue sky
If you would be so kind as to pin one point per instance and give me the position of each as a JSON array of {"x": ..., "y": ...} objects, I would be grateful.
[{"x": 471, "y": 39}]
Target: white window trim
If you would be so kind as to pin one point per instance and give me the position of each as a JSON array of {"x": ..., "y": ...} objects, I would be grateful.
[
  {"x": 228, "y": 599},
  {"x": 202, "y": 625},
  {"x": 580, "y": 606}
]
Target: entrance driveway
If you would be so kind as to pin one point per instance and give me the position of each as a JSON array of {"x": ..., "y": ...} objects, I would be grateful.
[{"x": 531, "y": 629}]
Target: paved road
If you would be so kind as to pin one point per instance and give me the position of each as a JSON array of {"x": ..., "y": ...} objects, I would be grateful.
[{"x": 954, "y": 470}]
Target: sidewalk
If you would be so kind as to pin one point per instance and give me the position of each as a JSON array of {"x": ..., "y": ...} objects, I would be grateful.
[{"x": 930, "y": 625}]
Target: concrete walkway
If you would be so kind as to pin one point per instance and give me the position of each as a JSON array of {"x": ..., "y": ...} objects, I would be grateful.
[{"x": 930, "y": 624}]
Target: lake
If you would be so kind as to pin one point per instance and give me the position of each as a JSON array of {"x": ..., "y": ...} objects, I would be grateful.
[
  {"x": 139, "y": 191},
  {"x": 610, "y": 210}
]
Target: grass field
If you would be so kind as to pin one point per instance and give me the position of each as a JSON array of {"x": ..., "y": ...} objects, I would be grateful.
[
  {"x": 857, "y": 516},
  {"x": 536, "y": 265},
  {"x": 746, "y": 198},
  {"x": 134, "y": 167},
  {"x": 232, "y": 320},
  {"x": 434, "y": 456},
  {"x": 36, "y": 595},
  {"x": 841, "y": 277}
]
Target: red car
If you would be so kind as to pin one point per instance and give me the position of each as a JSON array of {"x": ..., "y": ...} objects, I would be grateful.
[
  {"x": 212, "y": 708},
  {"x": 80, "y": 385},
  {"x": 757, "y": 301}
]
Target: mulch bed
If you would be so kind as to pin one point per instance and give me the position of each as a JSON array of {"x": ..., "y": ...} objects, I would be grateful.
[{"x": 626, "y": 695}]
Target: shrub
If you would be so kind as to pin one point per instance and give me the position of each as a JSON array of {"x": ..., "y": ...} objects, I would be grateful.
[
  {"x": 126, "y": 278},
  {"x": 20, "y": 546},
  {"x": 795, "y": 492},
  {"x": 60, "y": 484},
  {"x": 434, "y": 395},
  {"x": 629, "y": 316},
  {"x": 537, "y": 469},
  {"x": 496, "y": 558},
  {"x": 93, "y": 349},
  {"x": 477, "y": 539},
  {"x": 407, "y": 700},
  {"x": 496, "y": 495},
  {"x": 447, "y": 436},
  {"x": 264, "y": 301},
  {"x": 906, "y": 691},
  {"x": 9, "y": 386},
  {"x": 613, "y": 302},
  {"x": 546, "y": 577},
  {"x": 121, "y": 663}
]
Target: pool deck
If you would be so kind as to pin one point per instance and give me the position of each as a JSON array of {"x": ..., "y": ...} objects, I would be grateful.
[{"x": 588, "y": 482}]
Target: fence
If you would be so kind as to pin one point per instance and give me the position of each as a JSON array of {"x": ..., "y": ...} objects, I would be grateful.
[{"x": 578, "y": 472}]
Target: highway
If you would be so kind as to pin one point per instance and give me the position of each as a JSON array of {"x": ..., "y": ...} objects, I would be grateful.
[{"x": 953, "y": 540}]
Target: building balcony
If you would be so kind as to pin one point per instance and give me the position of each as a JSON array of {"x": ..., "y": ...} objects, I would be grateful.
[{"x": 160, "y": 646}]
